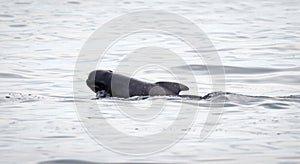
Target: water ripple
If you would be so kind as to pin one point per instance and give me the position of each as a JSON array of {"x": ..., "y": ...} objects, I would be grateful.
[
  {"x": 240, "y": 70},
  {"x": 11, "y": 75}
]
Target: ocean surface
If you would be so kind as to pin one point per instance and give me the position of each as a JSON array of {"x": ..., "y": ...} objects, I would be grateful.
[{"x": 257, "y": 42}]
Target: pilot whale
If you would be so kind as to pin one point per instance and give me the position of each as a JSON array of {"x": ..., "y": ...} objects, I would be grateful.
[{"x": 106, "y": 83}]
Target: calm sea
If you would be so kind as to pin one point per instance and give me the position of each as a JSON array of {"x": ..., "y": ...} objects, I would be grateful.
[{"x": 258, "y": 44}]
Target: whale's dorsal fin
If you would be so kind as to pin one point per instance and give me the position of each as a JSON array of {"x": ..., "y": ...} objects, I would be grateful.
[{"x": 172, "y": 86}]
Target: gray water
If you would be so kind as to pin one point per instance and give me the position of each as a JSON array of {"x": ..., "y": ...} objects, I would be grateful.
[{"x": 257, "y": 41}]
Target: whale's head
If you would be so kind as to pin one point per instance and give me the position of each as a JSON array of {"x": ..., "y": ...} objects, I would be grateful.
[{"x": 100, "y": 80}]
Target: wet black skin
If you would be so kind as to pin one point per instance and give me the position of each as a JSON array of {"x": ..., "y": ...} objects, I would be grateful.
[{"x": 100, "y": 81}]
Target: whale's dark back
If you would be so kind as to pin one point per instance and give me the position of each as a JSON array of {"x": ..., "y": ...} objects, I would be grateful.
[{"x": 118, "y": 85}]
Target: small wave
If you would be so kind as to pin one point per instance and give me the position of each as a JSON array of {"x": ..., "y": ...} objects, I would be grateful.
[
  {"x": 11, "y": 75},
  {"x": 58, "y": 137},
  {"x": 73, "y": 2},
  {"x": 6, "y": 16},
  {"x": 282, "y": 102},
  {"x": 17, "y": 25},
  {"x": 238, "y": 70},
  {"x": 74, "y": 161},
  {"x": 275, "y": 105},
  {"x": 67, "y": 161},
  {"x": 290, "y": 97}
]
